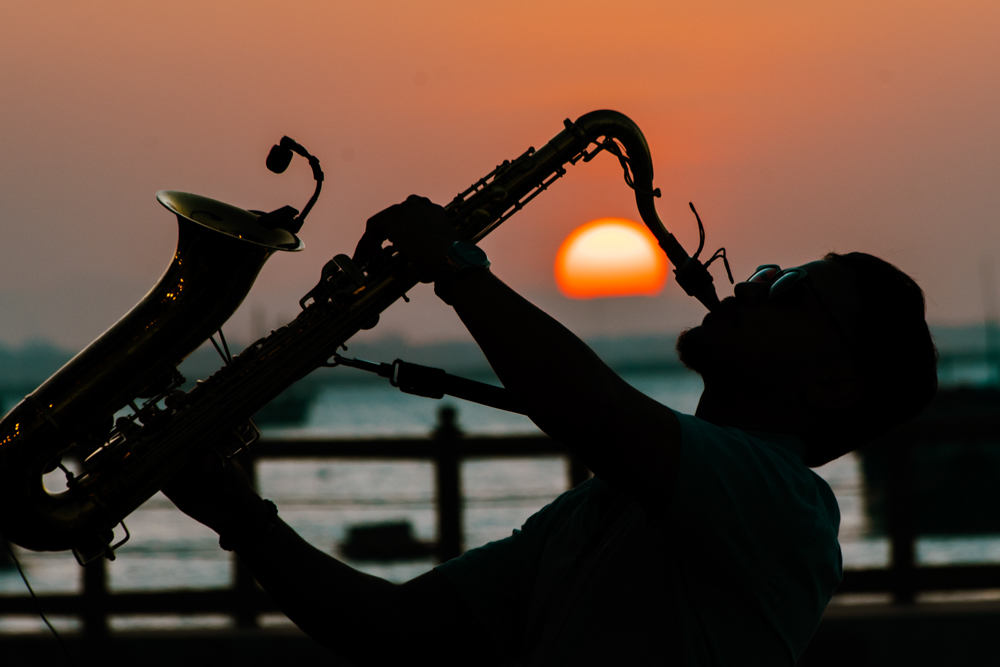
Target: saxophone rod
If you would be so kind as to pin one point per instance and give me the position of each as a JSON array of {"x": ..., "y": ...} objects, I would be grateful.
[{"x": 430, "y": 382}]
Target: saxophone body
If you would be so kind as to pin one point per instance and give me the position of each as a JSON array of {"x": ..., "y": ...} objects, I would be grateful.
[
  {"x": 125, "y": 467},
  {"x": 220, "y": 251}
]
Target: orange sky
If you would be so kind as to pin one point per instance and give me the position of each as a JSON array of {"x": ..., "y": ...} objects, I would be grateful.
[{"x": 796, "y": 128}]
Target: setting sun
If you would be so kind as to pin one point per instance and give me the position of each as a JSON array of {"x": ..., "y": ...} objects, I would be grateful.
[{"x": 610, "y": 257}]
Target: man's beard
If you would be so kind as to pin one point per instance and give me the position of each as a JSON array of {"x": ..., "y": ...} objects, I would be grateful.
[
  {"x": 694, "y": 351},
  {"x": 703, "y": 349}
]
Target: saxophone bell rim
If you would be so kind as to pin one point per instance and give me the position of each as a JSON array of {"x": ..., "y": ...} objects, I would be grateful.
[{"x": 229, "y": 220}]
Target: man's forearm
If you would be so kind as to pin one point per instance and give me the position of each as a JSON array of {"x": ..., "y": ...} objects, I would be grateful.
[
  {"x": 558, "y": 375},
  {"x": 620, "y": 433},
  {"x": 365, "y": 619},
  {"x": 323, "y": 596}
]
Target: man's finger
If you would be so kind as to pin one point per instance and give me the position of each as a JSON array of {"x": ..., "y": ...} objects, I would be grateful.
[
  {"x": 425, "y": 207},
  {"x": 406, "y": 223},
  {"x": 376, "y": 232},
  {"x": 368, "y": 248}
]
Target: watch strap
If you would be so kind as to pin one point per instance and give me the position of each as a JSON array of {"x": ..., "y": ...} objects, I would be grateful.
[{"x": 461, "y": 258}]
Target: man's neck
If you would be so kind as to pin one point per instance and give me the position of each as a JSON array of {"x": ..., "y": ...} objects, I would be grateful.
[{"x": 749, "y": 411}]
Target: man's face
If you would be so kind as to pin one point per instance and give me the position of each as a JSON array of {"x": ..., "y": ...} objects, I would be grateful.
[{"x": 770, "y": 340}]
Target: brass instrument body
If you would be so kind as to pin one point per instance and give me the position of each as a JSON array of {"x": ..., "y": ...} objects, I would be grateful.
[
  {"x": 124, "y": 473},
  {"x": 210, "y": 274}
]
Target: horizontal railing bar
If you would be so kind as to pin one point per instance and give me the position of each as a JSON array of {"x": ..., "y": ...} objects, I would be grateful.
[
  {"x": 408, "y": 448},
  {"x": 405, "y": 447},
  {"x": 956, "y": 577},
  {"x": 154, "y": 602},
  {"x": 940, "y": 577},
  {"x": 953, "y": 432}
]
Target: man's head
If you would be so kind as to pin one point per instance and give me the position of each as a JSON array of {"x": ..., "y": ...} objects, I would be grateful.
[{"x": 836, "y": 351}]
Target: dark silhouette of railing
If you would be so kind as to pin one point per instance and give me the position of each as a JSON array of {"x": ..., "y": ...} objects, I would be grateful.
[
  {"x": 904, "y": 578},
  {"x": 245, "y": 601},
  {"x": 447, "y": 448}
]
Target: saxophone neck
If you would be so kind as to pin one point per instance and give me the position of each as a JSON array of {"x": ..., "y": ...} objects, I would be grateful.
[{"x": 605, "y": 128}]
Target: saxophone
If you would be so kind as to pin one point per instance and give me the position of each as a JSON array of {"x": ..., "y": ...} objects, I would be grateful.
[{"x": 126, "y": 463}]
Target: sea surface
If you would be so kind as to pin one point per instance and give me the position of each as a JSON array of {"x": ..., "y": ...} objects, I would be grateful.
[{"x": 322, "y": 499}]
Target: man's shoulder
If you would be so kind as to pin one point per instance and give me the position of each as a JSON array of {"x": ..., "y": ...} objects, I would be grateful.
[
  {"x": 731, "y": 449},
  {"x": 695, "y": 429},
  {"x": 766, "y": 469}
]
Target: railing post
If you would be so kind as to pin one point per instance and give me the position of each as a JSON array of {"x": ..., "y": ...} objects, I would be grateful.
[
  {"x": 244, "y": 584},
  {"x": 95, "y": 595},
  {"x": 449, "y": 485},
  {"x": 901, "y": 518},
  {"x": 6, "y": 561}
]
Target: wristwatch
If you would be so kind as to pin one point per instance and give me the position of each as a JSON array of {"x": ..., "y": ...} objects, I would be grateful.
[
  {"x": 461, "y": 258},
  {"x": 252, "y": 529}
]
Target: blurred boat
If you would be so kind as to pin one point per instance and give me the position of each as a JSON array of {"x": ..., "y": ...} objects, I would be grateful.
[{"x": 385, "y": 541}]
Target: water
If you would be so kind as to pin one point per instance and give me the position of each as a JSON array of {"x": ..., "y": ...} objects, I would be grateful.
[{"x": 322, "y": 498}]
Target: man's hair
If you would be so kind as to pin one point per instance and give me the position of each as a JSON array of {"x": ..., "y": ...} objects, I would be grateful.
[{"x": 896, "y": 359}]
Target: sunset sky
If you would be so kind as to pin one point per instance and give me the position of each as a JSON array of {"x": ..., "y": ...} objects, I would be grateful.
[{"x": 796, "y": 128}]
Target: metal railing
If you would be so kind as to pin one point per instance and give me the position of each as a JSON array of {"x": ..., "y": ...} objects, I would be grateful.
[
  {"x": 904, "y": 578},
  {"x": 244, "y": 601},
  {"x": 447, "y": 448}
]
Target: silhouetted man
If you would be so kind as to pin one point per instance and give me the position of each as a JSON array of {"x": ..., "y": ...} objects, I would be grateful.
[{"x": 701, "y": 540}]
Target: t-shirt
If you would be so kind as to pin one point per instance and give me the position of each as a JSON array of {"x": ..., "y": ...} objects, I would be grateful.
[{"x": 736, "y": 570}]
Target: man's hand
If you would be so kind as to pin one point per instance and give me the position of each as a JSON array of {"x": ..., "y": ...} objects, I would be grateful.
[
  {"x": 214, "y": 491},
  {"x": 419, "y": 229}
]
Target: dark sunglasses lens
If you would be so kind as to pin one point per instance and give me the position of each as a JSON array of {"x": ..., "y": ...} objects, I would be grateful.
[
  {"x": 763, "y": 275},
  {"x": 784, "y": 282}
]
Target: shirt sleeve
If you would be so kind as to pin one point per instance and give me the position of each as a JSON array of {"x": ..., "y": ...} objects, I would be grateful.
[
  {"x": 487, "y": 578},
  {"x": 493, "y": 578}
]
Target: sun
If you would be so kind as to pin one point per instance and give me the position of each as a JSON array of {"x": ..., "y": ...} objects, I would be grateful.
[{"x": 610, "y": 257}]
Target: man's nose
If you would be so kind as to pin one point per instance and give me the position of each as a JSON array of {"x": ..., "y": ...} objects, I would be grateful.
[{"x": 752, "y": 293}]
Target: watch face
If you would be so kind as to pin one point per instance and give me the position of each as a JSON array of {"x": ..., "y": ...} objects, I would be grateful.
[{"x": 468, "y": 255}]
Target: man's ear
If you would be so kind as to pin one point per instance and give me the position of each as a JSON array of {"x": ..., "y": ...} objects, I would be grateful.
[{"x": 836, "y": 389}]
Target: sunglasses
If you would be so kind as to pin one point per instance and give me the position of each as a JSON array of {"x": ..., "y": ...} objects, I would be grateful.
[{"x": 782, "y": 280}]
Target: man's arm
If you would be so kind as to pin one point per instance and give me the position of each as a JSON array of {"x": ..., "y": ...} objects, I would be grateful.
[
  {"x": 630, "y": 440},
  {"x": 365, "y": 619},
  {"x": 624, "y": 436}
]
